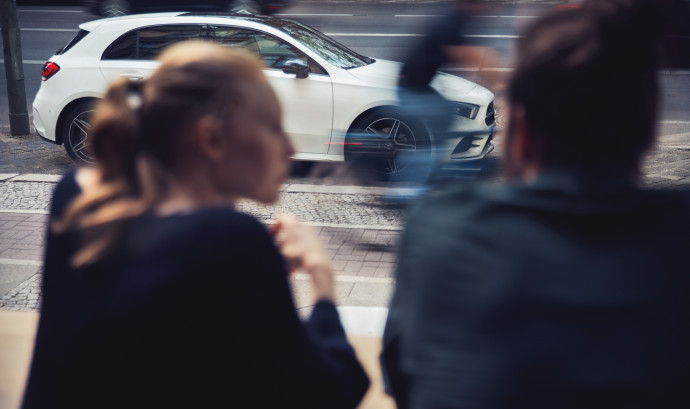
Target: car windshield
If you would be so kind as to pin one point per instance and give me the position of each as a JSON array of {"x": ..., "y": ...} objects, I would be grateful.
[{"x": 327, "y": 48}]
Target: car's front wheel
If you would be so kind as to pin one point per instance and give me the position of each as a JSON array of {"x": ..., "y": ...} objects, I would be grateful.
[
  {"x": 75, "y": 132},
  {"x": 115, "y": 8},
  {"x": 387, "y": 143}
]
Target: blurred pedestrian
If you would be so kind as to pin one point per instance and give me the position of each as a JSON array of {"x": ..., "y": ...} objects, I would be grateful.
[
  {"x": 156, "y": 291},
  {"x": 568, "y": 286},
  {"x": 442, "y": 46}
]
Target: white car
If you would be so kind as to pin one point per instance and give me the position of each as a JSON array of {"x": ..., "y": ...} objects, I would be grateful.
[{"x": 331, "y": 96}]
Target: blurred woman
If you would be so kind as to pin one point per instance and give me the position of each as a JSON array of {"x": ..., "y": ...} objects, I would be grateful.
[{"x": 156, "y": 292}]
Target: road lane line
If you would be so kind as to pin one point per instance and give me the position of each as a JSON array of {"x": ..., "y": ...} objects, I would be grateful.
[
  {"x": 29, "y": 62},
  {"x": 19, "y": 262},
  {"x": 64, "y": 30},
  {"x": 51, "y": 11}
]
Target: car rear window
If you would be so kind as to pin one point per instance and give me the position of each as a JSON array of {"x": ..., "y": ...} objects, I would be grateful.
[{"x": 80, "y": 35}]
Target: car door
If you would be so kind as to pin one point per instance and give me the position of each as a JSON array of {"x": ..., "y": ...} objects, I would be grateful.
[
  {"x": 133, "y": 54},
  {"x": 307, "y": 103}
]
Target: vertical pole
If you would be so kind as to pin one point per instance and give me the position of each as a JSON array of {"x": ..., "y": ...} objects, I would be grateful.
[{"x": 14, "y": 68}]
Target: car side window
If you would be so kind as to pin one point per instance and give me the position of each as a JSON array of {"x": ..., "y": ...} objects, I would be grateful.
[
  {"x": 147, "y": 43},
  {"x": 273, "y": 51}
]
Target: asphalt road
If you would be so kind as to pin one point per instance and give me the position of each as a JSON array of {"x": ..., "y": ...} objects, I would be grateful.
[{"x": 381, "y": 30}]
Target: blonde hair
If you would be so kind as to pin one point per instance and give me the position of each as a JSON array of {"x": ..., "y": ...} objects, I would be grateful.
[{"x": 135, "y": 129}]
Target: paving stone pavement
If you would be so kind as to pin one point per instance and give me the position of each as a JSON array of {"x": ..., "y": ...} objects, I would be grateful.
[
  {"x": 360, "y": 231},
  {"x": 363, "y": 258}
]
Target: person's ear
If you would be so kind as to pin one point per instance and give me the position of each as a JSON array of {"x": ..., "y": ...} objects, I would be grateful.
[{"x": 209, "y": 139}]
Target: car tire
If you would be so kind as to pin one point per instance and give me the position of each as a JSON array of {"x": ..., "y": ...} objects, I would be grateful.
[
  {"x": 248, "y": 6},
  {"x": 114, "y": 8},
  {"x": 400, "y": 135},
  {"x": 75, "y": 132}
]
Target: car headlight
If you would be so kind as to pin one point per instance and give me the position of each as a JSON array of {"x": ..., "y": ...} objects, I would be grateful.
[{"x": 465, "y": 110}]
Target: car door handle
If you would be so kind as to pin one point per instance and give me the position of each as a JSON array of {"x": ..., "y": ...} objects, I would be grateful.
[{"x": 134, "y": 76}]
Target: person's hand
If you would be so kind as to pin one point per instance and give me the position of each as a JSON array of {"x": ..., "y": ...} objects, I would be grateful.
[{"x": 303, "y": 251}]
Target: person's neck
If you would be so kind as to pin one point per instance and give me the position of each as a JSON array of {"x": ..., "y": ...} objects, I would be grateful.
[{"x": 189, "y": 192}]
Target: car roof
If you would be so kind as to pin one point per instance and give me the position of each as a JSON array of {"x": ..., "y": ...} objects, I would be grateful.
[{"x": 256, "y": 18}]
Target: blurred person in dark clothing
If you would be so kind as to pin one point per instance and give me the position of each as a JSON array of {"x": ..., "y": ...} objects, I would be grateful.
[
  {"x": 568, "y": 286},
  {"x": 157, "y": 292},
  {"x": 442, "y": 46}
]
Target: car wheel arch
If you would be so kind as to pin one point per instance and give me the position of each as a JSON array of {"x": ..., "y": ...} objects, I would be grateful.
[
  {"x": 59, "y": 137},
  {"x": 380, "y": 109}
]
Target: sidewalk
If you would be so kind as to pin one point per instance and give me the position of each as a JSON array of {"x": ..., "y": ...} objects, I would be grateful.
[{"x": 359, "y": 235}]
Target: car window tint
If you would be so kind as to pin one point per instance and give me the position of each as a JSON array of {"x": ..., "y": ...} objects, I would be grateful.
[
  {"x": 273, "y": 51},
  {"x": 147, "y": 43},
  {"x": 124, "y": 48}
]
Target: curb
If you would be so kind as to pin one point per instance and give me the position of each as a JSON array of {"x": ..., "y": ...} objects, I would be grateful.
[{"x": 286, "y": 188}]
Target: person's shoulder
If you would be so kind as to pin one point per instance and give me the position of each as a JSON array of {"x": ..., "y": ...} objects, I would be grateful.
[{"x": 457, "y": 202}]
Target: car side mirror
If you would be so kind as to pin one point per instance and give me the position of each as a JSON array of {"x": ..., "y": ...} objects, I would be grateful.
[{"x": 296, "y": 66}]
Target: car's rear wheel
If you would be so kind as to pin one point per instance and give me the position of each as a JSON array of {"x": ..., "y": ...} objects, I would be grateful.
[
  {"x": 75, "y": 132},
  {"x": 115, "y": 8},
  {"x": 398, "y": 141}
]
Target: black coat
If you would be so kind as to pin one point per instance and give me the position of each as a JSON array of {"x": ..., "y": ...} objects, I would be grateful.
[
  {"x": 185, "y": 311},
  {"x": 565, "y": 293}
]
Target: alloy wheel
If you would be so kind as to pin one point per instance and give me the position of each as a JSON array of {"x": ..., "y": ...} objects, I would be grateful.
[
  {"x": 78, "y": 136},
  {"x": 398, "y": 138}
]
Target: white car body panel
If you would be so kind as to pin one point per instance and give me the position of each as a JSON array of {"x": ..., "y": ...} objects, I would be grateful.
[{"x": 318, "y": 111}]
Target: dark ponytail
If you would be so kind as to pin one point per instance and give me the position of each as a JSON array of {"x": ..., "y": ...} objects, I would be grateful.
[{"x": 116, "y": 128}]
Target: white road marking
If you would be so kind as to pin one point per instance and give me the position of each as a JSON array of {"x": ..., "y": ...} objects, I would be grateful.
[
  {"x": 50, "y": 11},
  {"x": 417, "y": 15},
  {"x": 29, "y": 62},
  {"x": 17, "y": 262},
  {"x": 65, "y": 30}
]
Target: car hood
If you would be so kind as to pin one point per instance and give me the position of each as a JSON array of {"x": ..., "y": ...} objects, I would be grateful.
[{"x": 385, "y": 73}]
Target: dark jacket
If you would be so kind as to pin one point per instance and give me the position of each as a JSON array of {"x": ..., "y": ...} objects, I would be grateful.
[
  {"x": 185, "y": 311},
  {"x": 566, "y": 293}
]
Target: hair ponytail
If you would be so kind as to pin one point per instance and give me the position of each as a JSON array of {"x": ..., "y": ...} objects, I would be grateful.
[{"x": 130, "y": 182}]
